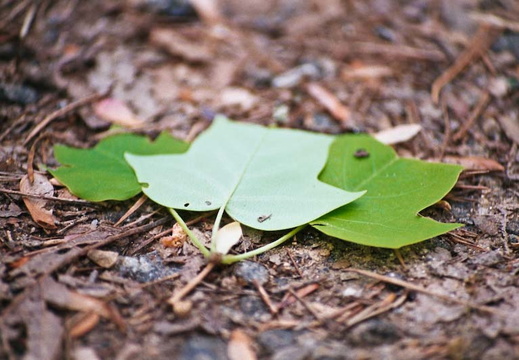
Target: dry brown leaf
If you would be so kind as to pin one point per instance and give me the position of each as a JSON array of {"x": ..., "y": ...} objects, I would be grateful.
[
  {"x": 37, "y": 207},
  {"x": 117, "y": 112},
  {"x": 330, "y": 102},
  {"x": 234, "y": 96},
  {"x": 177, "y": 45},
  {"x": 240, "y": 346},
  {"x": 59, "y": 295},
  {"x": 474, "y": 163},
  {"x": 398, "y": 134},
  {"x": 177, "y": 238},
  {"x": 44, "y": 329}
]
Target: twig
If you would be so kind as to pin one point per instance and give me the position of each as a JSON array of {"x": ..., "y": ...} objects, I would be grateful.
[
  {"x": 161, "y": 280},
  {"x": 480, "y": 106},
  {"x": 306, "y": 305},
  {"x": 289, "y": 253},
  {"x": 400, "y": 258},
  {"x": 191, "y": 284},
  {"x": 61, "y": 112},
  {"x": 447, "y": 128},
  {"x": 495, "y": 21},
  {"x": 266, "y": 298},
  {"x": 389, "y": 303},
  {"x": 27, "y": 21},
  {"x": 70, "y": 201},
  {"x": 422, "y": 290},
  {"x": 480, "y": 42}
]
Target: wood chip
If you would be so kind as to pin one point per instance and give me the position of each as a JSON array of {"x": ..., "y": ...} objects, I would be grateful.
[
  {"x": 331, "y": 103},
  {"x": 177, "y": 45},
  {"x": 398, "y": 134},
  {"x": 510, "y": 126},
  {"x": 105, "y": 259},
  {"x": 365, "y": 72},
  {"x": 86, "y": 323},
  {"x": 240, "y": 346},
  {"x": 38, "y": 207}
]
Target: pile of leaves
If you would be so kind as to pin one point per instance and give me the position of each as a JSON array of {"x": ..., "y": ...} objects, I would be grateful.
[{"x": 351, "y": 187}]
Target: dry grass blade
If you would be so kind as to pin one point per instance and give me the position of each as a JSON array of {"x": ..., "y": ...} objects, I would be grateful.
[
  {"x": 61, "y": 112},
  {"x": 481, "y": 41},
  {"x": 131, "y": 210}
]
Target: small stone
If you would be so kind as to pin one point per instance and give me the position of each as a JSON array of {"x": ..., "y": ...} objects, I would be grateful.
[
  {"x": 374, "y": 332},
  {"x": 491, "y": 258},
  {"x": 182, "y": 308},
  {"x": 251, "y": 272},
  {"x": 274, "y": 340},
  {"x": 203, "y": 348}
]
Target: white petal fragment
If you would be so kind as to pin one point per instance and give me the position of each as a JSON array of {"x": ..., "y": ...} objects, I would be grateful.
[{"x": 227, "y": 237}]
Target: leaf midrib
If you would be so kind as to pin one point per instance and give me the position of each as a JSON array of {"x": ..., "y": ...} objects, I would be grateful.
[
  {"x": 245, "y": 168},
  {"x": 375, "y": 174}
]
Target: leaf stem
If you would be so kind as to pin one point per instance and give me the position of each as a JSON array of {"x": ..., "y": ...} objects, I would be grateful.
[
  {"x": 189, "y": 233},
  {"x": 229, "y": 259},
  {"x": 216, "y": 227}
]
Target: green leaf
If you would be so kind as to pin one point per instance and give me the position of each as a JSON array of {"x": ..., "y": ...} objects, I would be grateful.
[
  {"x": 397, "y": 189},
  {"x": 265, "y": 178},
  {"x": 101, "y": 173}
]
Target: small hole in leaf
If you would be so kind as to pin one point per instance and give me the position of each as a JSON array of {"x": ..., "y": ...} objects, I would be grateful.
[
  {"x": 186, "y": 204},
  {"x": 145, "y": 185},
  {"x": 208, "y": 203}
]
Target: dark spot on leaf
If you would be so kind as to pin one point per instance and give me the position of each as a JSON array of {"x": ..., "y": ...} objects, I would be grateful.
[
  {"x": 361, "y": 154},
  {"x": 208, "y": 203},
  {"x": 186, "y": 204},
  {"x": 263, "y": 218}
]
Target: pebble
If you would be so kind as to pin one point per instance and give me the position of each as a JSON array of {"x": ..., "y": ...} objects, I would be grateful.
[
  {"x": 144, "y": 268},
  {"x": 249, "y": 272},
  {"x": 18, "y": 94},
  {"x": 203, "y": 348},
  {"x": 274, "y": 340},
  {"x": 374, "y": 332}
]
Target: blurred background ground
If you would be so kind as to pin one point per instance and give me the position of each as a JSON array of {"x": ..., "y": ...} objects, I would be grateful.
[{"x": 334, "y": 67}]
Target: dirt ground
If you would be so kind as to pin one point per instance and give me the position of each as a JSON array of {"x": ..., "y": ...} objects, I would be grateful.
[{"x": 326, "y": 66}]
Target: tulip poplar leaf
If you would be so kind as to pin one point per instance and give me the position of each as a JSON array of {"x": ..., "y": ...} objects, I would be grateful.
[
  {"x": 265, "y": 178},
  {"x": 101, "y": 173},
  {"x": 397, "y": 189}
]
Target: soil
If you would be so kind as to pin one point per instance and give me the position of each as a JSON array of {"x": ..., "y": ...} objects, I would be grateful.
[{"x": 74, "y": 285}]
